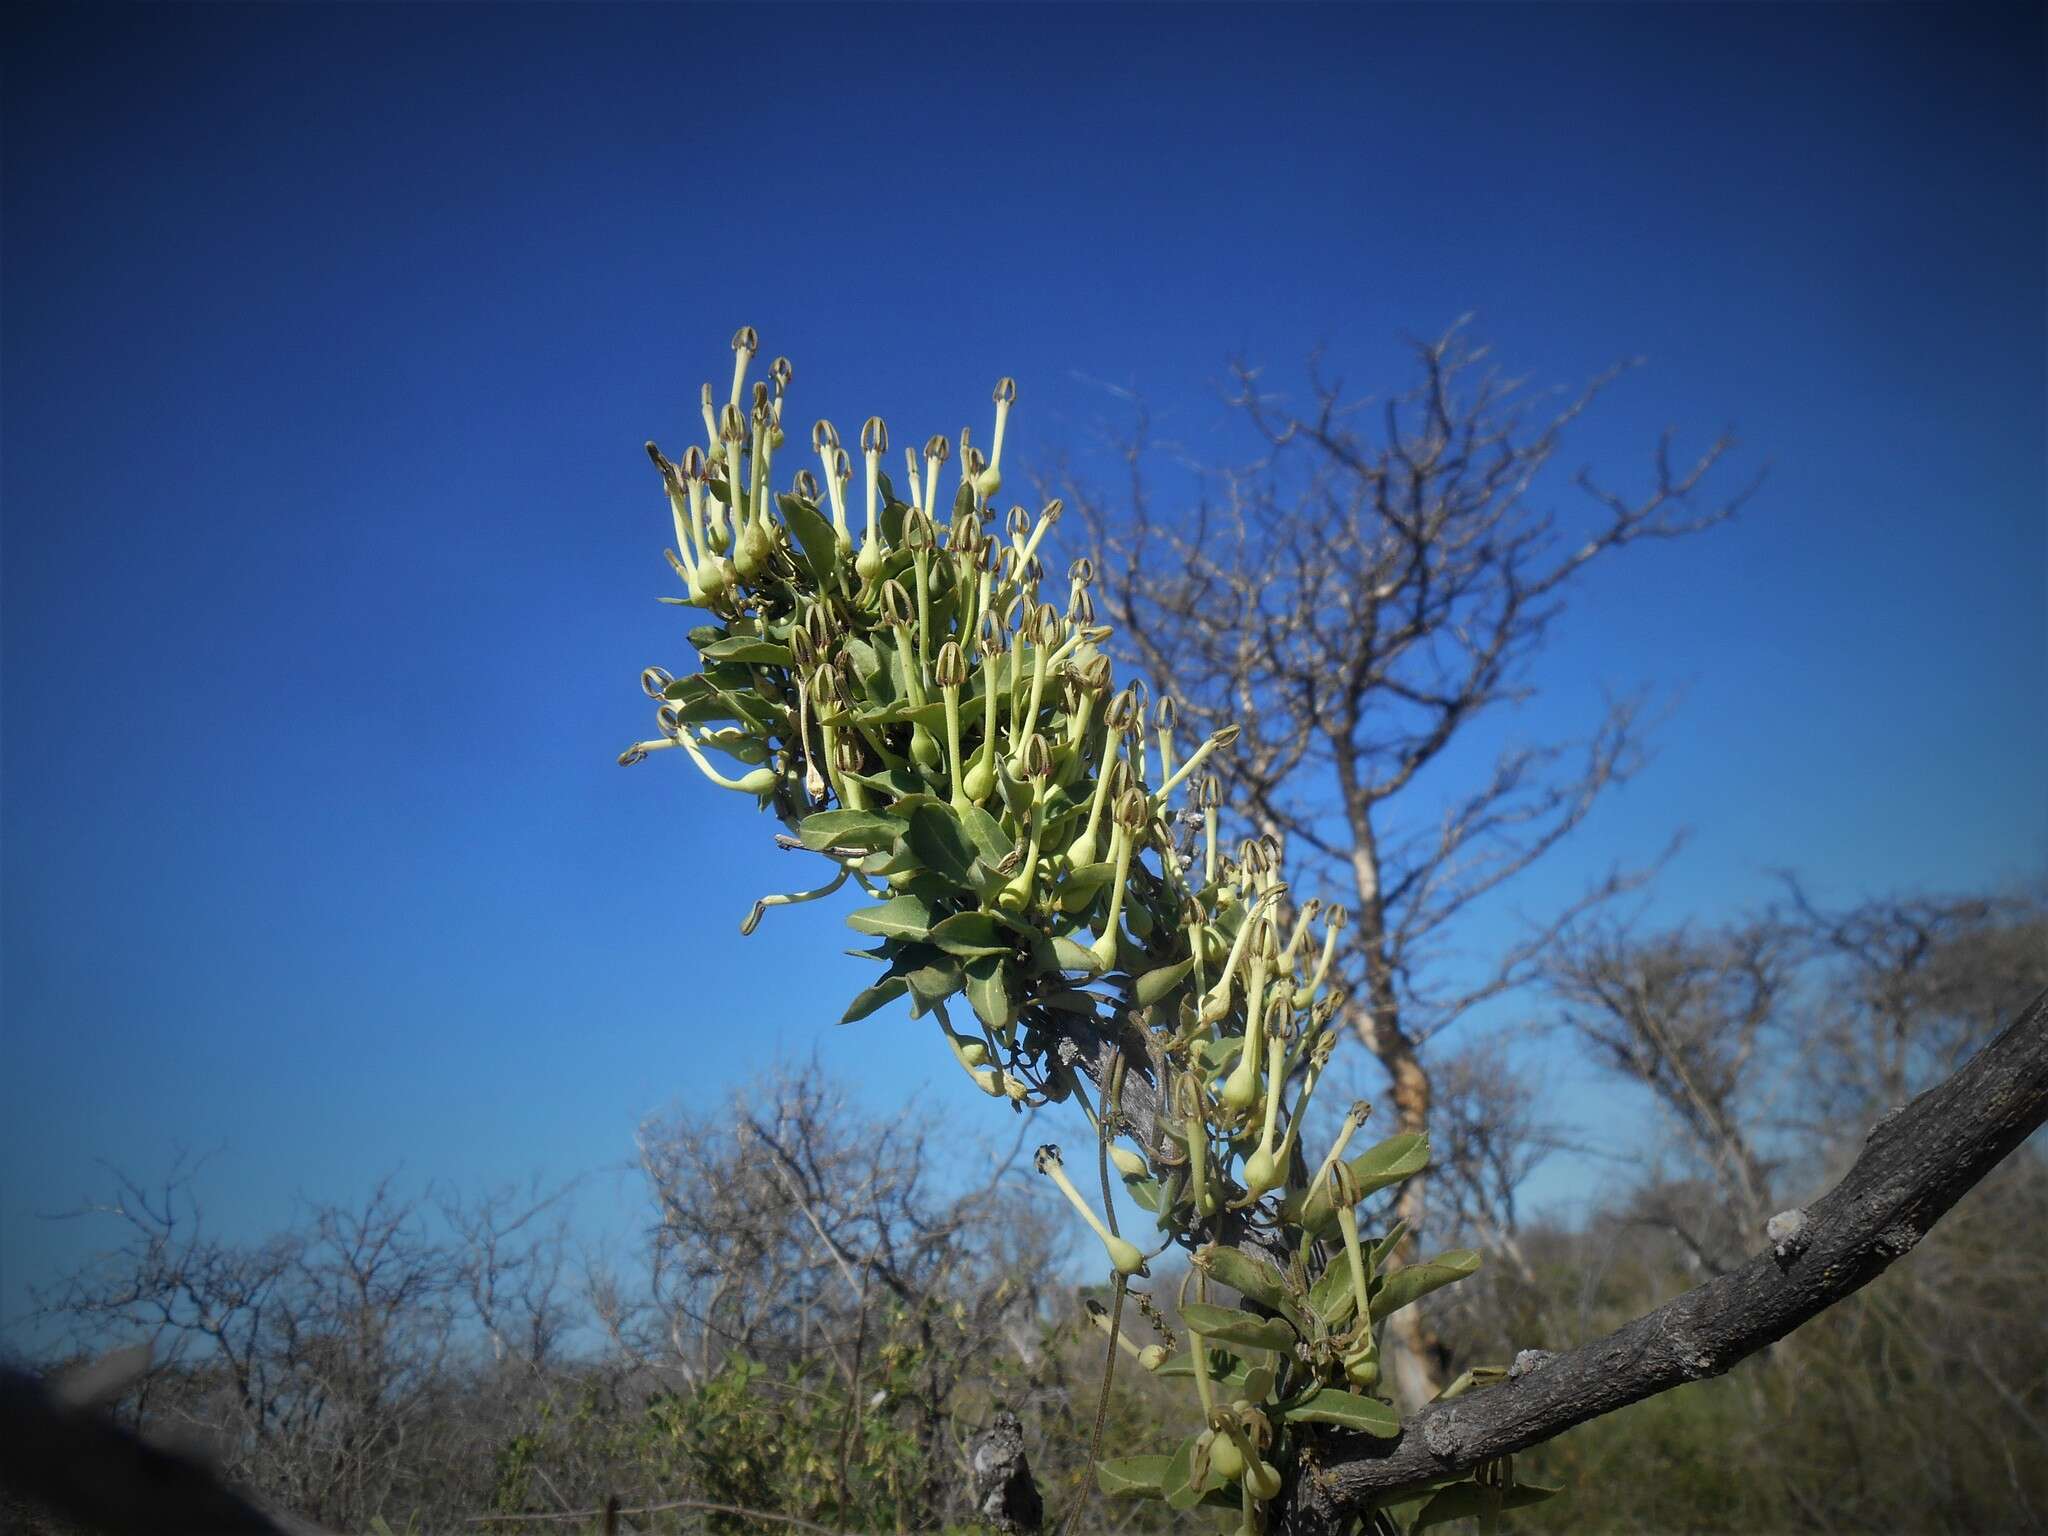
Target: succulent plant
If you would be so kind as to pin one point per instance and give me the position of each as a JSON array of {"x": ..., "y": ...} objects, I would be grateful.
[{"x": 914, "y": 708}]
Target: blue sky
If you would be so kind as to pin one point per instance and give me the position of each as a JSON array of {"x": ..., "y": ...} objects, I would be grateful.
[{"x": 331, "y": 335}]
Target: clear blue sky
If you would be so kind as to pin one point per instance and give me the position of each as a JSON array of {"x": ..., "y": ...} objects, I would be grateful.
[{"x": 331, "y": 336}]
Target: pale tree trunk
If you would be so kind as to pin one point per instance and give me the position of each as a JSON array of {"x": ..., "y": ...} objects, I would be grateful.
[{"x": 1411, "y": 1347}]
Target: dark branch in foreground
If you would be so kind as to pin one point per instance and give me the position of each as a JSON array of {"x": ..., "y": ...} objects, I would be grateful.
[
  {"x": 1918, "y": 1161},
  {"x": 89, "y": 1470}
]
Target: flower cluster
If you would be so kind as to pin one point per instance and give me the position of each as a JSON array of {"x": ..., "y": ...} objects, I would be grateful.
[{"x": 922, "y": 704}]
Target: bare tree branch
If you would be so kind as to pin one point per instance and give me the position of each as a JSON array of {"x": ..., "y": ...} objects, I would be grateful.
[{"x": 1917, "y": 1163}]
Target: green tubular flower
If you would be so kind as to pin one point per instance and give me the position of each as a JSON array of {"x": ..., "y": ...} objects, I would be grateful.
[
  {"x": 1241, "y": 1091},
  {"x": 1333, "y": 925},
  {"x": 1218, "y": 740},
  {"x": 833, "y": 461},
  {"x": 1132, "y": 816},
  {"x": 695, "y": 473},
  {"x": 919, "y": 534},
  {"x": 1264, "y": 1169},
  {"x": 1215, "y": 1004},
  {"x": 1124, "y": 1256},
  {"x": 1048, "y": 516},
  {"x": 757, "y": 782},
  {"x": 936, "y": 451},
  {"x": 911, "y": 479},
  {"x": 1318, "y": 1054},
  {"x": 950, "y": 671},
  {"x": 709, "y": 406},
  {"x": 1036, "y": 762},
  {"x": 685, "y": 558},
  {"x": 782, "y": 373},
  {"x": 1341, "y": 1187},
  {"x": 1116, "y": 720},
  {"x": 1185, "y": 1098},
  {"x": 1128, "y": 1163},
  {"x": 745, "y": 343},
  {"x": 1307, "y": 1207},
  {"x": 1150, "y": 1357},
  {"x": 990, "y": 480},
  {"x": 981, "y": 774},
  {"x": 1040, "y": 628},
  {"x": 874, "y": 442},
  {"x": 972, "y": 1054}
]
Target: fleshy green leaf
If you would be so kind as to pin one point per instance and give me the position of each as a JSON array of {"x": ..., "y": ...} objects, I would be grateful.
[
  {"x": 887, "y": 990},
  {"x": 972, "y": 935},
  {"x": 1382, "y": 1250},
  {"x": 1177, "y": 1484},
  {"x": 940, "y": 842},
  {"x": 933, "y": 981},
  {"x": 1397, "y": 1289},
  {"x": 1083, "y": 885},
  {"x": 1132, "y": 1477},
  {"x": 1347, "y": 1410},
  {"x": 1332, "y": 1296},
  {"x": 1396, "y": 1158},
  {"x": 750, "y": 648},
  {"x": 1154, "y": 985},
  {"x": 990, "y": 841},
  {"x": 901, "y": 917},
  {"x": 868, "y": 830},
  {"x": 814, "y": 535},
  {"x": 988, "y": 990},
  {"x": 1248, "y": 1276},
  {"x": 1074, "y": 957},
  {"x": 1230, "y": 1326}
]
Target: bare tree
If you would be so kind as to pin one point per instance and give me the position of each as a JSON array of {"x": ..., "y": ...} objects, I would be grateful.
[
  {"x": 315, "y": 1366},
  {"x": 1687, "y": 1017},
  {"x": 790, "y": 1229},
  {"x": 1358, "y": 598},
  {"x": 1915, "y": 985}
]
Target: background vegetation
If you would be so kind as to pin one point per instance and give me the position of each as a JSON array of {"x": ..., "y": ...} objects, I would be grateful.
[{"x": 819, "y": 1320}]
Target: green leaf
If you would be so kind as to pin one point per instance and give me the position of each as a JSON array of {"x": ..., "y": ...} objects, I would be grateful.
[
  {"x": 1083, "y": 885},
  {"x": 1132, "y": 1477},
  {"x": 1144, "y": 1192},
  {"x": 940, "y": 842},
  {"x": 937, "y": 977},
  {"x": 870, "y": 831},
  {"x": 990, "y": 841},
  {"x": 1176, "y": 1484},
  {"x": 868, "y": 665},
  {"x": 1391, "y": 1292},
  {"x": 887, "y": 990},
  {"x": 750, "y": 648},
  {"x": 1230, "y": 1326},
  {"x": 1464, "y": 1501},
  {"x": 1382, "y": 1250},
  {"x": 988, "y": 990},
  {"x": 1154, "y": 985},
  {"x": 972, "y": 935},
  {"x": 1396, "y": 1158},
  {"x": 901, "y": 917},
  {"x": 1347, "y": 1410},
  {"x": 1074, "y": 957},
  {"x": 1248, "y": 1276},
  {"x": 1221, "y": 1364},
  {"x": 814, "y": 535},
  {"x": 1331, "y": 1296}
]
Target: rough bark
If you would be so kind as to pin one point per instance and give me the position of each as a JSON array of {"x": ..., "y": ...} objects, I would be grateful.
[
  {"x": 1918, "y": 1161},
  {"x": 1005, "y": 1495}
]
